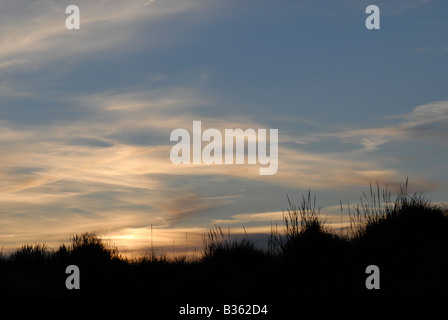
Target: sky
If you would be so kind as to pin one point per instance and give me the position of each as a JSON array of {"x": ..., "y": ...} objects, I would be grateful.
[{"x": 86, "y": 115}]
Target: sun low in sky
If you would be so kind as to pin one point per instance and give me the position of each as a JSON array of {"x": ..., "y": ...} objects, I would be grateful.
[{"x": 86, "y": 114}]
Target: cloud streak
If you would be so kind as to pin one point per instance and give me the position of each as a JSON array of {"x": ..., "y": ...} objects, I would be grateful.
[
  {"x": 34, "y": 32},
  {"x": 425, "y": 122}
]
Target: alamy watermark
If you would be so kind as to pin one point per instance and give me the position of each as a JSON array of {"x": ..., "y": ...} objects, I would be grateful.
[
  {"x": 189, "y": 149},
  {"x": 73, "y": 21}
]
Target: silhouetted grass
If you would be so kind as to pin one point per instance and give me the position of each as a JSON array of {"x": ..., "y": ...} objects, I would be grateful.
[
  {"x": 220, "y": 247},
  {"x": 310, "y": 254},
  {"x": 300, "y": 223},
  {"x": 88, "y": 248},
  {"x": 30, "y": 255},
  {"x": 407, "y": 238}
]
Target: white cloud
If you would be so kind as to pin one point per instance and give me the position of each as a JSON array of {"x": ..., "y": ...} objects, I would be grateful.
[{"x": 435, "y": 112}]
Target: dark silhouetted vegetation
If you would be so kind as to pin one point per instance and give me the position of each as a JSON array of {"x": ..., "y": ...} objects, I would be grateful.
[{"x": 406, "y": 238}]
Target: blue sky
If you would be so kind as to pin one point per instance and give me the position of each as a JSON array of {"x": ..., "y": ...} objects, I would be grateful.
[{"x": 86, "y": 115}]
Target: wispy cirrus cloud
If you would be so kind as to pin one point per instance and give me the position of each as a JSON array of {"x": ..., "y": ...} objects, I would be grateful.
[
  {"x": 34, "y": 32},
  {"x": 110, "y": 169},
  {"x": 107, "y": 147},
  {"x": 425, "y": 122}
]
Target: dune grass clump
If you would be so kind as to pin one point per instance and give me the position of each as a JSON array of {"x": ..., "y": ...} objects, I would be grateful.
[
  {"x": 313, "y": 260},
  {"x": 219, "y": 247},
  {"x": 89, "y": 246},
  {"x": 304, "y": 230},
  {"x": 237, "y": 266},
  {"x": 408, "y": 238},
  {"x": 409, "y": 221},
  {"x": 30, "y": 254}
]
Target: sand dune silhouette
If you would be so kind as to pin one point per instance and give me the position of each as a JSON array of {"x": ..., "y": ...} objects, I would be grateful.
[{"x": 406, "y": 238}]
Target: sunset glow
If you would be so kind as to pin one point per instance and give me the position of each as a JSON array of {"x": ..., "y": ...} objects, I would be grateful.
[{"x": 86, "y": 115}]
